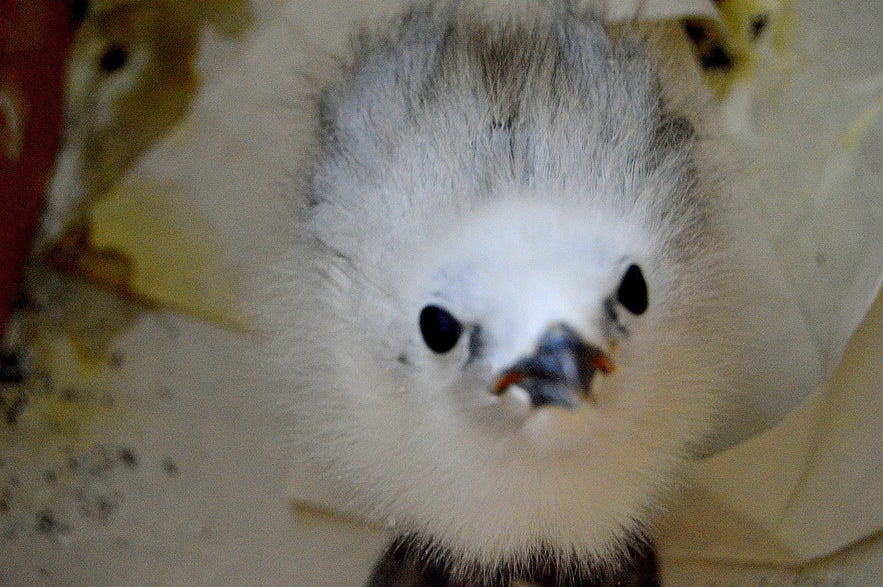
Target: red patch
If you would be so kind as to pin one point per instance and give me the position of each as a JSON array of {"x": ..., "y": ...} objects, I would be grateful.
[{"x": 35, "y": 37}]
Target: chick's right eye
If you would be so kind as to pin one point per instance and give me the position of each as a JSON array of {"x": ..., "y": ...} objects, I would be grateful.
[{"x": 440, "y": 329}]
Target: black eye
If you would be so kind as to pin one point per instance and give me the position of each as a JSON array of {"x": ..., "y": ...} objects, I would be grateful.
[
  {"x": 632, "y": 292},
  {"x": 114, "y": 59},
  {"x": 440, "y": 330}
]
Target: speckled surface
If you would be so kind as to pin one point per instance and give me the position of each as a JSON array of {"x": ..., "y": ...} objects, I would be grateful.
[{"x": 164, "y": 466}]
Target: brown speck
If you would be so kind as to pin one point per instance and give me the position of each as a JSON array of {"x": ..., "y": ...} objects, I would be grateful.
[
  {"x": 50, "y": 476},
  {"x": 695, "y": 31},
  {"x": 759, "y": 24},
  {"x": 170, "y": 467},
  {"x": 47, "y": 523},
  {"x": 11, "y": 372},
  {"x": 98, "y": 461},
  {"x": 716, "y": 58},
  {"x": 128, "y": 457},
  {"x": 105, "y": 506},
  {"x": 12, "y": 408},
  {"x": 4, "y": 501},
  {"x": 43, "y": 383},
  {"x": 74, "y": 462},
  {"x": 116, "y": 360},
  {"x": 98, "y": 507}
]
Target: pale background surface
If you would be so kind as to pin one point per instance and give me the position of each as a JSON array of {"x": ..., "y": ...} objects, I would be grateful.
[{"x": 182, "y": 476}]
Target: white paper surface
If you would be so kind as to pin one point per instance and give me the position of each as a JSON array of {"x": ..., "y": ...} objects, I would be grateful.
[{"x": 804, "y": 489}]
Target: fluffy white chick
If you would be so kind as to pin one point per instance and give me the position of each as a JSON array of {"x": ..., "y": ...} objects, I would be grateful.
[{"x": 507, "y": 314}]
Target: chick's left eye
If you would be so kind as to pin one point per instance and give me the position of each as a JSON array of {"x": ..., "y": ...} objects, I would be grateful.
[{"x": 440, "y": 329}]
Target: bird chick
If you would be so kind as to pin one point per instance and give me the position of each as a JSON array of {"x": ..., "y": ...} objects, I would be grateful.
[{"x": 506, "y": 314}]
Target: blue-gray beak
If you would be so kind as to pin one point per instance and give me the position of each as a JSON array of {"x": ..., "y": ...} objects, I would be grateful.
[{"x": 560, "y": 372}]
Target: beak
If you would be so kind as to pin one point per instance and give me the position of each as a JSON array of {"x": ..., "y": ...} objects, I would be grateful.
[{"x": 560, "y": 372}]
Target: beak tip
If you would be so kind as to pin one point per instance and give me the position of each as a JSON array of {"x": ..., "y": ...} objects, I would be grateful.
[
  {"x": 602, "y": 362},
  {"x": 505, "y": 380},
  {"x": 560, "y": 371},
  {"x": 547, "y": 386}
]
